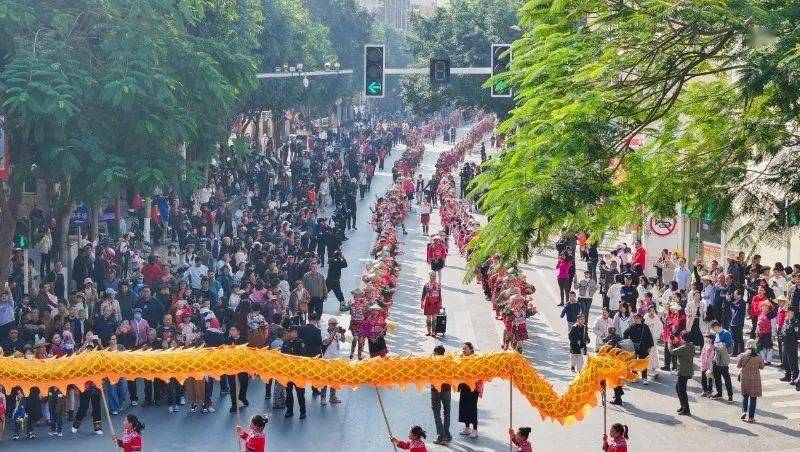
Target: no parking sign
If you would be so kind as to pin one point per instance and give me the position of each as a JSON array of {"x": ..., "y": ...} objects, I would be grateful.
[{"x": 663, "y": 227}]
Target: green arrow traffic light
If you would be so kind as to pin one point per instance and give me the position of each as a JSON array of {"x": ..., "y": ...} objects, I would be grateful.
[
  {"x": 374, "y": 87},
  {"x": 374, "y": 75}
]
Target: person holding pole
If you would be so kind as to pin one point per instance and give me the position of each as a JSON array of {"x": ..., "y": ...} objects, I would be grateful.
[
  {"x": 131, "y": 439},
  {"x": 414, "y": 443},
  {"x": 520, "y": 438},
  {"x": 618, "y": 441},
  {"x": 440, "y": 403},
  {"x": 254, "y": 440}
]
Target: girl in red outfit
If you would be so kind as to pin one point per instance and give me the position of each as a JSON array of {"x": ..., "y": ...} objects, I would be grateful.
[
  {"x": 520, "y": 439},
  {"x": 437, "y": 252},
  {"x": 131, "y": 439},
  {"x": 431, "y": 303},
  {"x": 619, "y": 439},
  {"x": 414, "y": 443},
  {"x": 254, "y": 441}
]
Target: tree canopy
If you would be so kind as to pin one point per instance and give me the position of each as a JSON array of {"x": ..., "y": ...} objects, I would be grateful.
[
  {"x": 464, "y": 32},
  {"x": 99, "y": 95},
  {"x": 710, "y": 88},
  {"x": 311, "y": 32}
]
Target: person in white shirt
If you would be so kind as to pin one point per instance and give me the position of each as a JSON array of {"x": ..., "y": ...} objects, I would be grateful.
[
  {"x": 237, "y": 277},
  {"x": 240, "y": 256},
  {"x": 224, "y": 261},
  {"x": 173, "y": 258},
  {"x": 187, "y": 258},
  {"x": 330, "y": 350},
  {"x": 324, "y": 190},
  {"x": 600, "y": 327},
  {"x": 665, "y": 266},
  {"x": 624, "y": 254},
  {"x": 682, "y": 275},
  {"x": 236, "y": 297},
  {"x": 195, "y": 274},
  {"x": 614, "y": 294},
  {"x": 778, "y": 281},
  {"x": 653, "y": 321},
  {"x": 623, "y": 319}
]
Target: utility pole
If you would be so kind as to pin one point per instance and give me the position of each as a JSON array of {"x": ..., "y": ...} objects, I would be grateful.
[{"x": 789, "y": 234}]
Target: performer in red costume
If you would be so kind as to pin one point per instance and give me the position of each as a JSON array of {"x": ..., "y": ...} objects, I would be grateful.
[
  {"x": 254, "y": 441},
  {"x": 437, "y": 252},
  {"x": 131, "y": 439},
  {"x": 431, "y": 303}
]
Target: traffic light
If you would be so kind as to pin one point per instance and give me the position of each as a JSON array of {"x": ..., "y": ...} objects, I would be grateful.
[
  {"x": 501, "y": 60},
  {"x": 787, "y": 213},
  {"x": 374, "y": 65},
  {"x": 440, "y": 71},
  {"x": 22, "y": 235}
]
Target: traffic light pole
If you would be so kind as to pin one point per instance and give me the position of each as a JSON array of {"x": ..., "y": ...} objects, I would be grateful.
[
  {"x": 453, "y": 70},
  {"x": 25, "y": 273},
  {"x": 789, "y": 234},
  {"x": 389, "y": 71},
  {"x": 303, "y": 74}
]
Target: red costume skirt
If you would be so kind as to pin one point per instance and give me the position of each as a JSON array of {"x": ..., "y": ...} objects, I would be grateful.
[
  {"x": 520, "y": 332},
  {"x": 432, "y": 306},
  {"x": 357, "y": 327}
]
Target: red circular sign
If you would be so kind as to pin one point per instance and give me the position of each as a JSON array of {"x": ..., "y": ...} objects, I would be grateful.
[{"x": 663, "y": 227}]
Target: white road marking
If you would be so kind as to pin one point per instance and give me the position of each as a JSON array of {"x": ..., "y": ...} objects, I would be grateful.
[
  {"x": 786, "y": 404},
  {"x": 779, "y": 393}
]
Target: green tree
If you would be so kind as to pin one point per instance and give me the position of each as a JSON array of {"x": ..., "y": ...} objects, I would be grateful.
[
  {"x": 464, "y": 32},
  {"x": 99, "y": 94},
  {"x": 291, "y": 36},
  {"x": 710, "y": 87}
]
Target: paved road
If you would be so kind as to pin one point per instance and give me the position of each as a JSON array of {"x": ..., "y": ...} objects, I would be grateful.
[{"x": 357, "y": 422}]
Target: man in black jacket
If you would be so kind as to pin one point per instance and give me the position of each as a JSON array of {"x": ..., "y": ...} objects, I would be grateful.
[
  {"x": 291, "y": 270},
  {"x": 14, "y": 343},
  {"x": 82, "y": 267},
  {"x": 642, "y": 339},
  {"x": 212, "y": 337},
  {"x": 578, "y": 338},
  {"x": 293, "y": 345},
  {"x": 105, "y": 325},
  {"x": 311, "y": 336},
  {"x": 56, "y": 278},
  {"x": 333, "y": 282},
  {"x": 152, "y": 308},
  {"x": 322, "y": 231},
  {"x": 125, "y": 298},
  {"x": 235, "y": 338}
]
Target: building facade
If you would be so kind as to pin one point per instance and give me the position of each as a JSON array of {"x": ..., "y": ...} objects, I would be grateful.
[{"x": 395, "y": 13}]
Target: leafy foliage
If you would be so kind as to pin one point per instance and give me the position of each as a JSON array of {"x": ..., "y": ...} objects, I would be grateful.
[
  {"x": 101, "y": 93},
  {"x": 309, "y": 32},
  {"x": 710, "y": 86}
]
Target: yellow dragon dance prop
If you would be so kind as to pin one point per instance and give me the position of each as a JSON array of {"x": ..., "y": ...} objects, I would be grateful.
[{"x": 609, "y": 364}]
